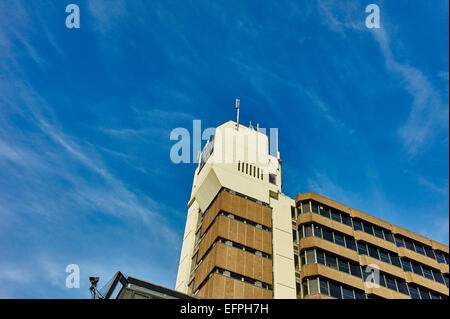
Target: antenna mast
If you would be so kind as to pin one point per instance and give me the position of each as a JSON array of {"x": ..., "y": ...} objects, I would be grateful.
[{"x": 238, "y": 102}]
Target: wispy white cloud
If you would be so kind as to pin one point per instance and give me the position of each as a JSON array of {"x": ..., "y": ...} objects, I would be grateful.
[{"x": 428, "y": 114}]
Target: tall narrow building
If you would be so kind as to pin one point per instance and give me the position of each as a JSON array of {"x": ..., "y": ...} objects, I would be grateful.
[{"x": 245, "y": 239}]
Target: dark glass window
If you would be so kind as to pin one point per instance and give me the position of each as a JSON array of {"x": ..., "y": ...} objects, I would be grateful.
[
  {"x": 335, "y": 291},
  {"x": 373, "y": 252},
  {"x": 351, "y": 243},
  {"x": 434, "y": 296},
  {"x": 323, "y": 287},
  {"x": 330, "y": 261},
  {"x": 424, "y": 294},
  {"x": 439, "y": 258},
  {"x": 306, "y": 208},
  {"x": 320, "y": 257},
  {"x": 308, "y": 230},
  {"x": 427, "y": 273},
  {"x": 346, "y": 220},
  {"x": 429, "y": 252},
  {"x": 382, "y": 280},
  {"x": 362, "y": 249},
  {"x": 368, "y": 228},
  {"x": 335, "y": 216},
  {"x": 360, "y": 294},
  {"x": 446, "y": 258},
  {"x": 399, "y": 242},
  {"x": 355, "y": 269},
  {"x": 310, "y": 257},
  {"x": 390, "y": 283},
  {"x": 406, "y": 265},
  {"x": 395, "y": 260},
  {"x": 420, "y": 249},
  {"x": 315, "y": 208},
  {"x": 413, "y": 292},
  {"x": 409, "y": 244},
  {"x": 402, "y": 287},
  {"x": 343, "y": 266},
  {"x": 347, "y": 293},
  {"x": 446, "y": 279},
  {"x": 438, "y": 276},
  {"x": 339, "y": 239},
  {"x": 324, "y": 212},
  {"x": 378, "y": 232},
  {"x": 384, "y": 257},
  {"x": 327, "y": 235},
  {"x": 317, "y": 231},
  {"x": 357, "y": 225},
  {"x": 388, "y": 236},
  {"x": 417, "y": 269}
]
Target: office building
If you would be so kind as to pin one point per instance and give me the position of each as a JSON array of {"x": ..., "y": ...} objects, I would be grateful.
[{"x": 244, "y": 238}]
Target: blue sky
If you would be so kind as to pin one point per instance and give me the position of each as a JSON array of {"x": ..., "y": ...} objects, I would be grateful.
[{"x": 85, "y": 118}]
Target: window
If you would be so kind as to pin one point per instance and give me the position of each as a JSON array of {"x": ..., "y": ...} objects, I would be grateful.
[
  {"x": 347, "y": 220},
  {"x": 310, "y": 257},
  {"x": 347, "y": 293},
  {"x": 357, "y": 225},
  {"x": 439, "y": 258},
  {"x": 390, "y": 283},
  {"x": 362, "y": 249},
  {"x": 335, "y": 216},
  {"x": 313, "y": 286},
  {"x": 324, "y": 212},
  {"x": 351, "y": 243},
  {"x": 446, "y": 280},
  {"x": 402, "y": 287},
  {"x": 429, "y": 252},
  {"x": 409, "y": 244},
  {"x": 355, "y": 269},
  {"x": 338, "y": 239},
  {"x": 317, "y": 231},
  {"x": 382, "y": 280},
  {"x": 395, "y": 260},
  {"x": 272, "y": 178},
  {"x": 306, "y": 208},
  {"x": 424, "y": 294},
  {"x": 343, "y": 266},
  {"x": 438, "y": 276},
  {"x": 378, "y": 232},
  {"x": 420, "y": 249},
  {"x": 373, "y": 252},
  {"x": 323, "y": 287},
  {"x": 360, "y": 294},
  {"x": 384, "y": 257},
  {"x": 406, "y": 265},
  {"x": 308, "y": 230},
  {"x": 399, "y": 242},
  {"x": 315, "y": 208},
  {"x": 330, "y": 261},
  {"x": 320, "y": 257},
  {"x": 417, "y": 269},
  {"x": 327, "y": 235},
  {"x": 413, "y": 292},
  {"x": 427, "y": 273},
  {"x": 335, "y": 291},
  {"x": 388, "y": 236},
  {"x": 368, "y": 228}
]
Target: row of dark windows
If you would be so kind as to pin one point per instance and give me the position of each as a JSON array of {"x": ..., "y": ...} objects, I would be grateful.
[
  {"x": 312, "y": 286},
  {"x": 312, "y": 256},
  {"x": 358, "y": 224},
  {"x": 250, "y": 169},
  {"x": 363, "y": 248},
  {"x": 333, "y": 289},
  {"x": 236, "y": 276}
]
